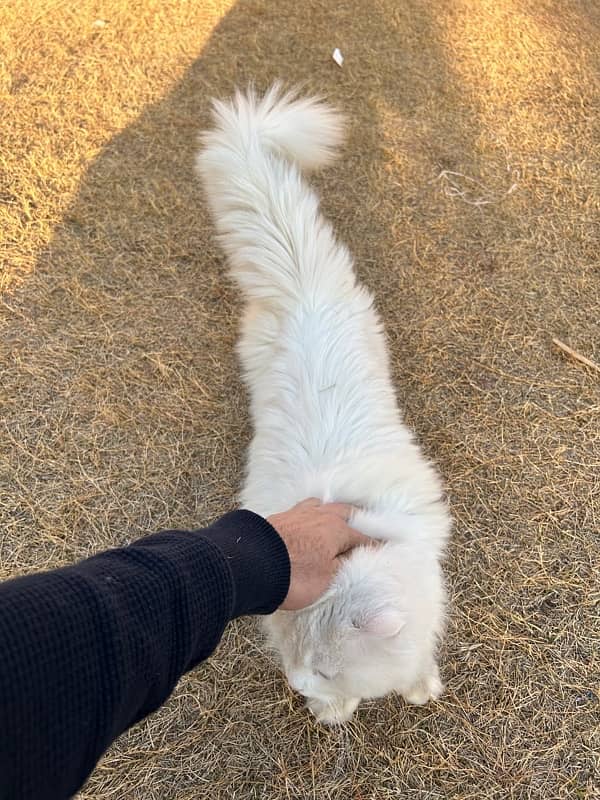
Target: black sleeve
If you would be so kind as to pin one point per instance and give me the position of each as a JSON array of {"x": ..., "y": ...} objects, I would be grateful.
[{"x": 88, "y": 650}]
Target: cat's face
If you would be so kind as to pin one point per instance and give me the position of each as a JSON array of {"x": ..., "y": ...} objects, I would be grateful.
[
  {"x": 332, "y": 652},
  {"x": 365, "y": 638}
]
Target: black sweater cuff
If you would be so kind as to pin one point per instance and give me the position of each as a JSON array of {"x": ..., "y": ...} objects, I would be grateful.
[{"x": 257, "y": 559}]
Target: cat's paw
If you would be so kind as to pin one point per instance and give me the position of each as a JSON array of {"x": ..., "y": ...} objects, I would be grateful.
[
  {"x": 335, "y": 712},
  {"x": 429, "y": 687}
]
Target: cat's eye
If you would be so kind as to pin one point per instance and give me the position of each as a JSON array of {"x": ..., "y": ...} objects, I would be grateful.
[{"x": 323, "y": 675}]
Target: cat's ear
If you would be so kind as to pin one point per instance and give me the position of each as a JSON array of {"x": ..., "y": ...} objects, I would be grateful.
[{"x": 383, "y": 623}]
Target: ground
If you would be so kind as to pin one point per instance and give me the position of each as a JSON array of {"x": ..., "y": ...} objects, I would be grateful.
[{"x": 469, "y": 193}]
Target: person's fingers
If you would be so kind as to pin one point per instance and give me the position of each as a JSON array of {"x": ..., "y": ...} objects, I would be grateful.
[
  {"x": 342, "y": 510},
  {"x": 347, "y": 539},
  {"x": 310, "y": 502},
  {"x": 347, "y": 549}
]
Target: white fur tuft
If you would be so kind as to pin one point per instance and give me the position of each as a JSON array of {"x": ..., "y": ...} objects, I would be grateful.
[
  {"x": 301, "y": 129},
  {"x": 268, "y": 218}
]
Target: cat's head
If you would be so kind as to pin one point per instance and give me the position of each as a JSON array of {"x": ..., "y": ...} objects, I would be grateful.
[{"x": 372, "y": 631}]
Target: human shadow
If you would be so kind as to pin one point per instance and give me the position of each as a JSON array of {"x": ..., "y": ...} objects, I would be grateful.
[{"x": 133, "y": 266}]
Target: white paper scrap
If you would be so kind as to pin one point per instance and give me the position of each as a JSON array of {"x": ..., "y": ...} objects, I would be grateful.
[{"x": 338, "y": 57}]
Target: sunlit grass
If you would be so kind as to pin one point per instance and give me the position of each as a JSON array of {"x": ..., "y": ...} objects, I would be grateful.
[{"x": 71, "y": 76}]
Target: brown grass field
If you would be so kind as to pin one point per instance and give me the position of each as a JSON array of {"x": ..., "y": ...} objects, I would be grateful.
[{"x": 469, "y": 191}]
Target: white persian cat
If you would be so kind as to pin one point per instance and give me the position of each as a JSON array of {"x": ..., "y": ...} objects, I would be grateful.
[{"x": 326, "y": 422}]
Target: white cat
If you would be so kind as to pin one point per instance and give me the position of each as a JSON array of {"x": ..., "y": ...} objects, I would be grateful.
[{"x": 326, "y": 422}]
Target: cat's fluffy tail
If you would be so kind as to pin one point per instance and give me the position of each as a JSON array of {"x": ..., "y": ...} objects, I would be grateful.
[{"x": 280, "y": 248}]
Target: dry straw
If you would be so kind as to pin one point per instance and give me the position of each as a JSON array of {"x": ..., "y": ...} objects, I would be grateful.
[{"x": 122, "y": 411}]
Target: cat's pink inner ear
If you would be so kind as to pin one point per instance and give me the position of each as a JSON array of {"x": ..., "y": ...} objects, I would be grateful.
[{"x": 385, "y": 623}]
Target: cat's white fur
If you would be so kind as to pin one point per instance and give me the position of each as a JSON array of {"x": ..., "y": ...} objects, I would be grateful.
[{"x": 326, "y": 421}]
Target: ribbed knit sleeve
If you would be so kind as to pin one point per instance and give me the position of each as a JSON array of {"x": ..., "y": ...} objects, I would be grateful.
[{"x": 88, "y": 650}]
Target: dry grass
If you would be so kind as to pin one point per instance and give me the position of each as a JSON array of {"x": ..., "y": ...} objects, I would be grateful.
[{"x": 469, "y": 192}]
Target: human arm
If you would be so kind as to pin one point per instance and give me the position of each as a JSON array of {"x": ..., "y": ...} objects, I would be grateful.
[{"x": 88, "y": 650}]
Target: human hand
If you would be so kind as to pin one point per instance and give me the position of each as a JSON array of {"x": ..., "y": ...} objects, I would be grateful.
[{"x": 317, "y": 537}]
